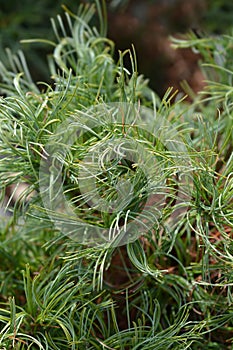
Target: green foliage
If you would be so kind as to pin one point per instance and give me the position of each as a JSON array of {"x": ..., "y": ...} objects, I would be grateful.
[
  {"x": 26, "y": 20},
  {"x": 222, "y": 10},
  {"x": 169, "y": 289}
]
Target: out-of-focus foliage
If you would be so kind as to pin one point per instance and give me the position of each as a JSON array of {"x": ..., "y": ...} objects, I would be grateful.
[
  {"x": 27, "y": 19},
  {"x": 218, "y": 17}
]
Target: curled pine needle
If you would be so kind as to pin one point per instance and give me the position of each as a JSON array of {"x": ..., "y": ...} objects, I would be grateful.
[{"x": 117, "y": 209}]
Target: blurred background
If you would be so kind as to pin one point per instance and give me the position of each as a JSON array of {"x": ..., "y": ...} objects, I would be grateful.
[{"x": 148, "y": 24}]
